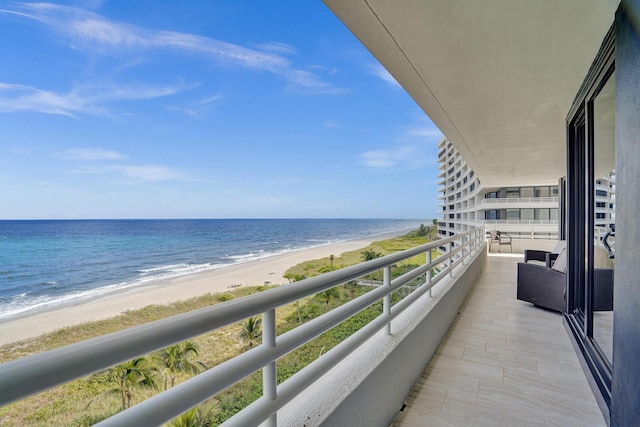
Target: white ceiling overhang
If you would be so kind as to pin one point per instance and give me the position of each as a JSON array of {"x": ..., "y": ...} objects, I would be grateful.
[{"x": 497, "y": 77}]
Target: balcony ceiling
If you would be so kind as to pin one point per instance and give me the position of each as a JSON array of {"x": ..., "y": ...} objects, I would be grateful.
[{"x": 497, "y": 77}]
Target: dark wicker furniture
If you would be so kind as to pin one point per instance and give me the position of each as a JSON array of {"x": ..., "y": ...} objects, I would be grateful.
[
  {"x": 544, "y": 256},
  {"x": 545, "y": 287}
]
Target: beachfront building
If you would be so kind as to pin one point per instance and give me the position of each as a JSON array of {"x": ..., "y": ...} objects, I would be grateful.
[
  {"x": 605, "y": 204},
  {"x": 527, "y": 92},
  {"x": 523, "y": 212}
]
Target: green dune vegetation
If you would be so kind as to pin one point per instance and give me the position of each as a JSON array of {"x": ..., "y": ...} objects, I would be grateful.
[{"x": 91, "y": 399}]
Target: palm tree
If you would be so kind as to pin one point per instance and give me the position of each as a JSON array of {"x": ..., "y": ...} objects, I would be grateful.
[
  {"x": 369, "y": 254},
  {"x": 328, "y": 294},
  {"x": 177, "y": 358},
  {"x": 296, "y": 278},
  {"x": 251, "y": 329},
  {"x": 199, "y": 416},
  {"x": 136, "y": 372}
]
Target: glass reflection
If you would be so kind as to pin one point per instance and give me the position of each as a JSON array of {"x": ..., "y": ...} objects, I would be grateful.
[{"x": 603, "y": 258}]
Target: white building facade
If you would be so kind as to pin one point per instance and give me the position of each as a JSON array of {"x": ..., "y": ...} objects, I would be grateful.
[{"x": 523, "y": 212}]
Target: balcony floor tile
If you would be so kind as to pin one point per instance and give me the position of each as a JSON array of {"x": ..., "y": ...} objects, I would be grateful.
[{"x": 503, "y": 362}]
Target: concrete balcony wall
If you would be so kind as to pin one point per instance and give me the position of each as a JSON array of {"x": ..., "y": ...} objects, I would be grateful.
[{"x": 368, "y": 387}]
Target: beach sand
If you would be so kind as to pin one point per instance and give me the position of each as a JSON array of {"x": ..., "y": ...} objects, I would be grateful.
[{"x": 252, "y": 273}]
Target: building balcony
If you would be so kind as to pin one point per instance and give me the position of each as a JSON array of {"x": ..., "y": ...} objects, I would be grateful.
[
  {"x": 502, "y": 362},
  {"x": 488, "y": 357},
  {"x": 520, "y": 202}
]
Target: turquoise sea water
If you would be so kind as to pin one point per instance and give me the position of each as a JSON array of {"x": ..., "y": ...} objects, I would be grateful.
[{"x": 45, "y": 263}]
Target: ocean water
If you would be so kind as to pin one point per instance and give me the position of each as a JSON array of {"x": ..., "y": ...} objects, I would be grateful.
[{"x": 44, "y": 263}]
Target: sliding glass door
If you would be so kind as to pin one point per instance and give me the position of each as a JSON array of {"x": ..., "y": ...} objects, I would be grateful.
[{"x": 590, "y": 219}]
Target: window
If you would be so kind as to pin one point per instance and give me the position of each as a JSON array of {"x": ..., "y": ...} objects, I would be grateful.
[
  {"x": 526, "y": 192},
  {"x": 543, "y": 191},
  {"x": 601, "y": 204},
  {"x": 526, "y": 214},
  {"x": 601, "y": 215},
  {"x": 543, "y": 214},
  {"x": 601, "y": 193},
  {"x": 513, "y": 193},
  {"x": 513, "y": 213}
]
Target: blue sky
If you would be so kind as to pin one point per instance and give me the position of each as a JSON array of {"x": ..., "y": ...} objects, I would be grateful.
[{"x": 203, "y": 109}]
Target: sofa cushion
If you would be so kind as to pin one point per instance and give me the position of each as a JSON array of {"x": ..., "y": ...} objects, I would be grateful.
[{"x": 561, "y": 262}]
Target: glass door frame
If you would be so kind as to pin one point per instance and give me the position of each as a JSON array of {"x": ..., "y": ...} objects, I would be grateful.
[{"x": 579, "y": 221}]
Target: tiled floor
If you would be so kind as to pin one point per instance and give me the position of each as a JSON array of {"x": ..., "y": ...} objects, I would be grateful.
[{"x": 503, "y": 363}]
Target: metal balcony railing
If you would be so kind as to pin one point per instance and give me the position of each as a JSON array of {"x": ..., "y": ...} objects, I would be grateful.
[
  {"x": 515, "y": 200},
  {"x": 39, "y": 372},
  {"x": 521, "y": 221}
]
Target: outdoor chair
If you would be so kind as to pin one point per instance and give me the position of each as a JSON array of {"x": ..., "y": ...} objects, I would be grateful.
[
  {"x": 501, "y": 239},
  {"x": 545, "y": 256},
  {"x": 546, "y": 286}
]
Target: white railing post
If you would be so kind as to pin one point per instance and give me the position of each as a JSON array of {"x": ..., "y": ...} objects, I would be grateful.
[
  {"x": 429, "y": 272},
  {"x": 462, "y": 242},
  {"x": 451, "y": 258},
  {"x": 269, "y": 381},
  {"x": 386, "y": 302}
]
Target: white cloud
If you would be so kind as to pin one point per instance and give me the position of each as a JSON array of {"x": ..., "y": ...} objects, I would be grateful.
[
  {"x": 380, "y": 72},
  {"x": 151, "y": 172},
  {"x": 211, "y": 99},
  {"x": 89, "y": 31},
  {"x": 147, "y": 173},
  {"x": 427, "y": 132},
  {"x": 332, "y": 124},
  {"x": 405, "y": 156},
  {"x": 85, "y": 99},
  {"x": 90, "y": 154},
  {"x": 277, "y": 47},
  {"x": 309, "y": 83}
]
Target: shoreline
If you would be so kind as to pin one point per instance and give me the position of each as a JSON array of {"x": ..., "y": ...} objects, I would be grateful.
[{"x": 162, "y": 292}]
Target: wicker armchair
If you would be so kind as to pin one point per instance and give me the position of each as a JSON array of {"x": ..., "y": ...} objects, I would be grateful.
[
  {"x": 542, "y": 286},
  {"x": 545, "y": 256},
  {"x": 546, "y": 287}
]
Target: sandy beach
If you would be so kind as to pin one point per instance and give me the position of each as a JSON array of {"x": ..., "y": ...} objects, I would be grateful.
[{"x": 251, "y": 273}]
